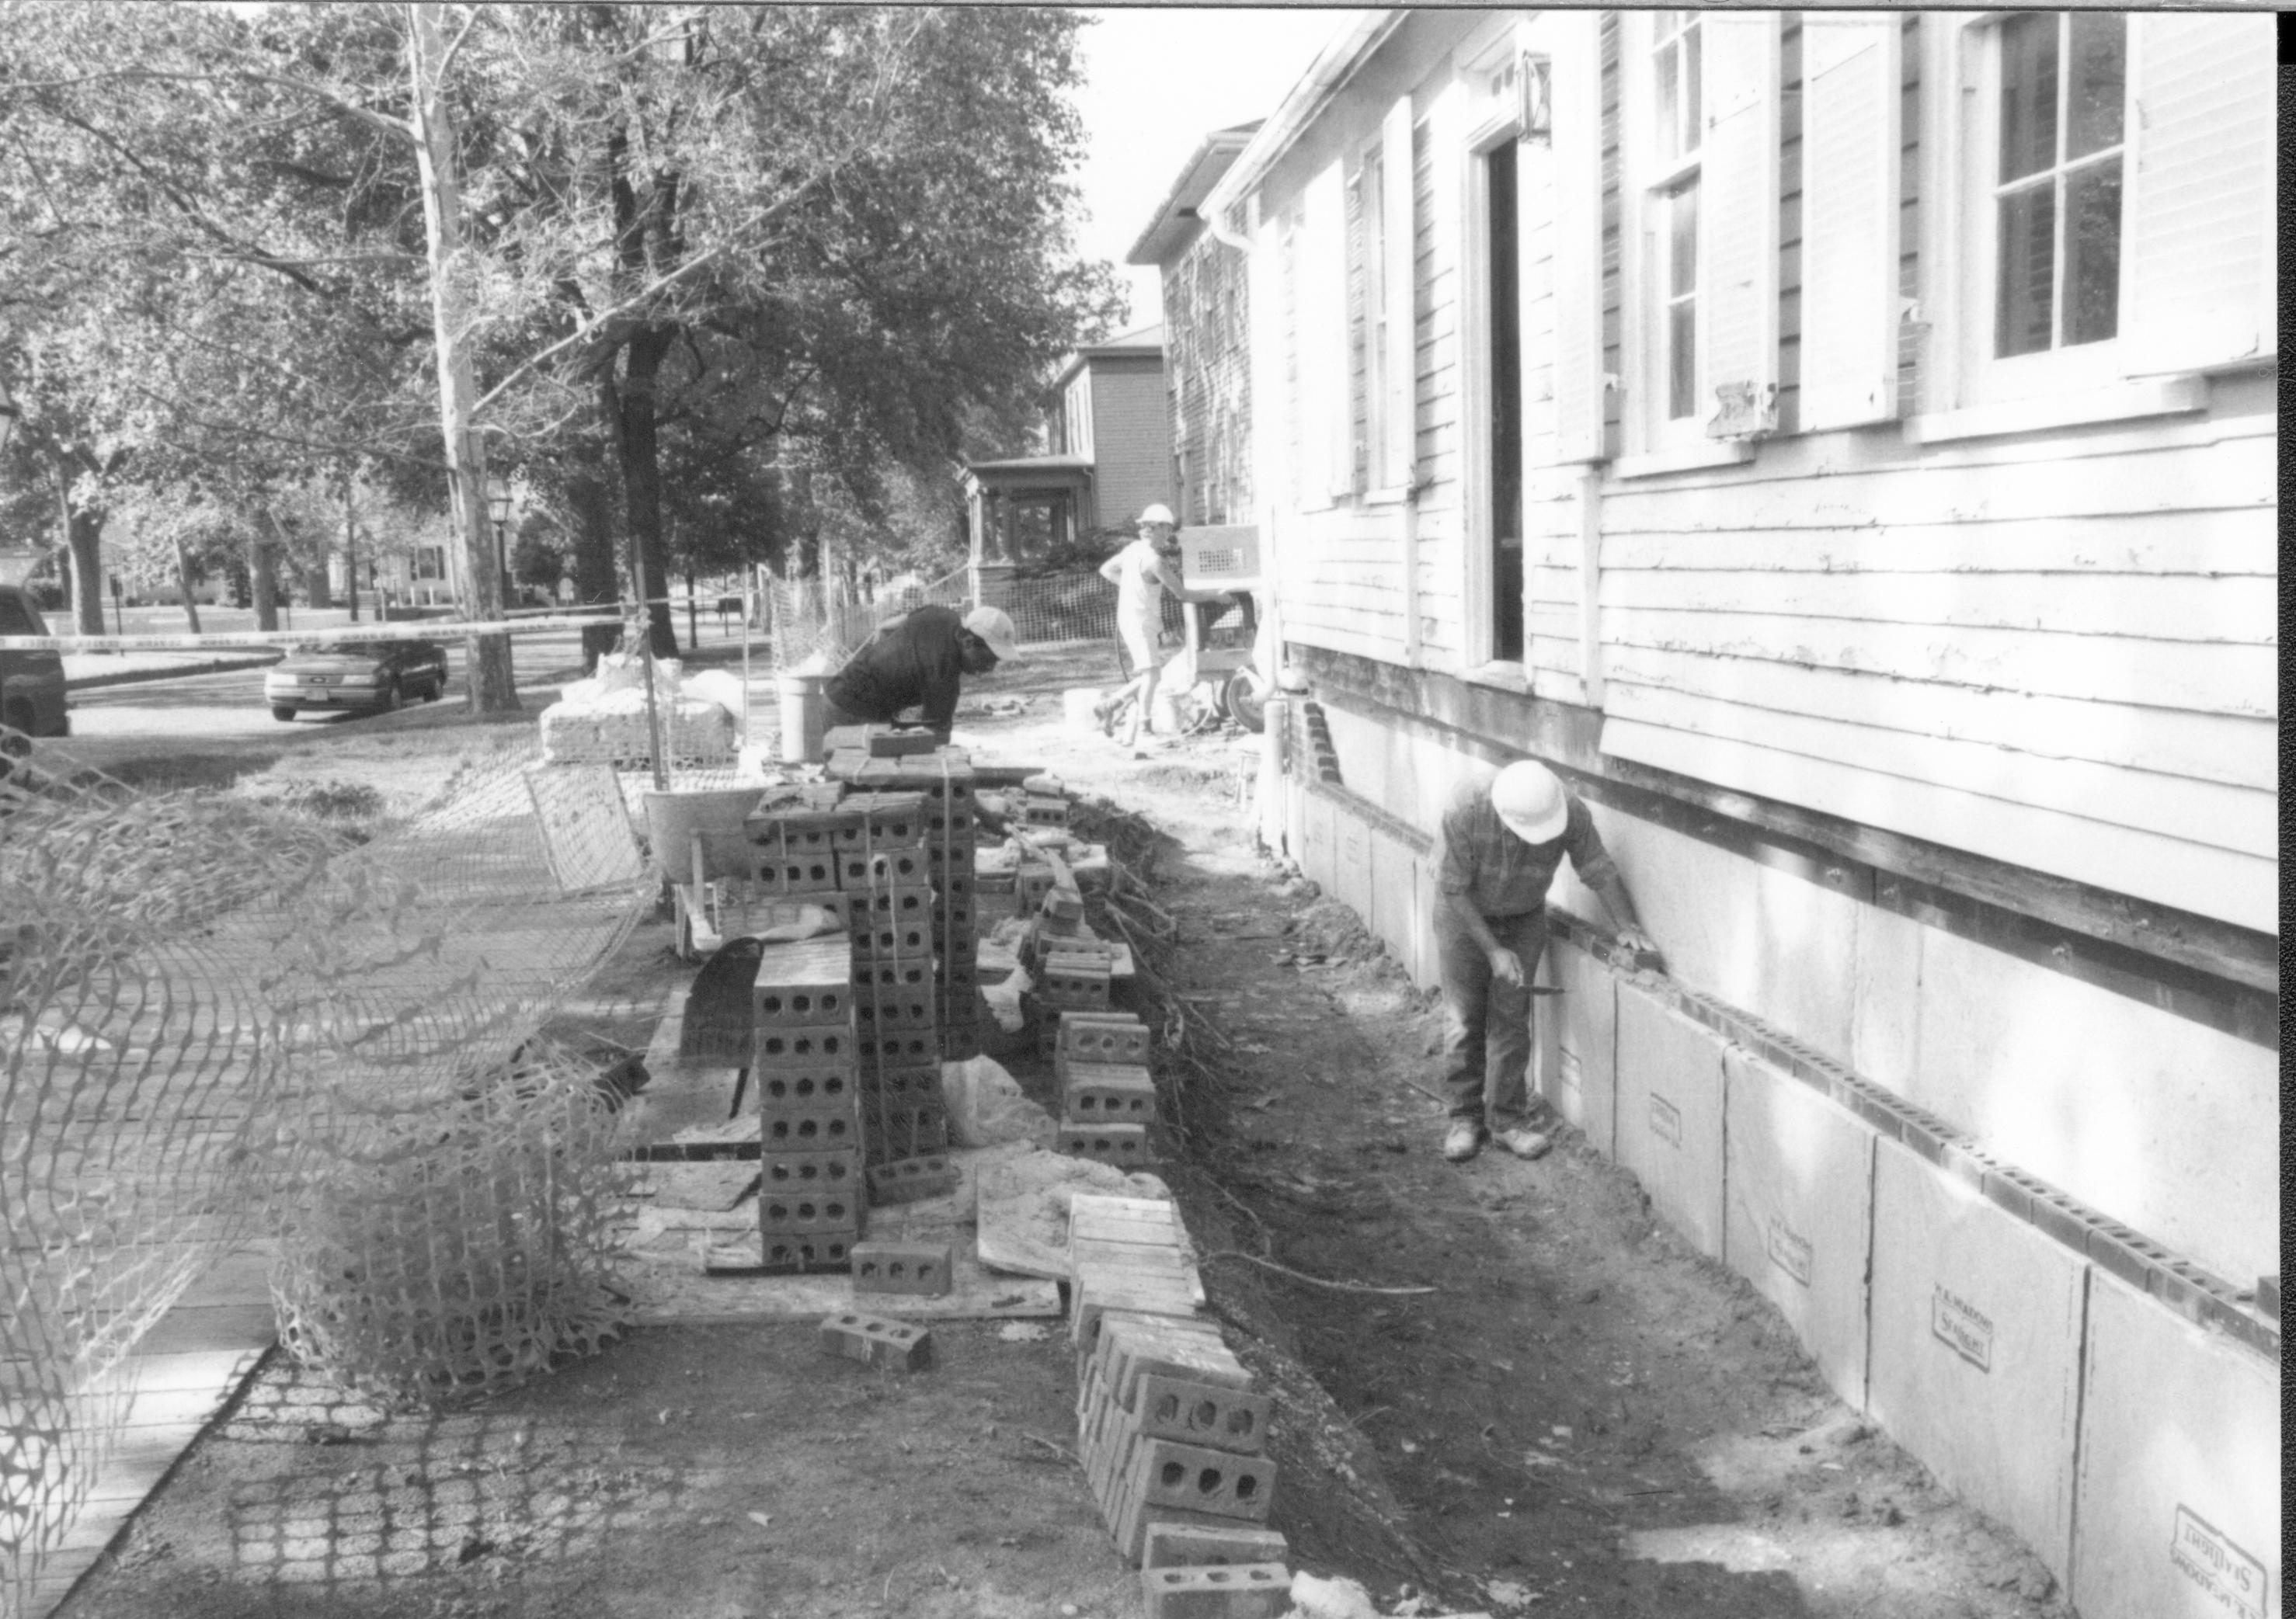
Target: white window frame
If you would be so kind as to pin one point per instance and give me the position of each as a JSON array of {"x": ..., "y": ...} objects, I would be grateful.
[
  {"x": 1652, "y": 177},
  {"x": 1979, "y": 376}
]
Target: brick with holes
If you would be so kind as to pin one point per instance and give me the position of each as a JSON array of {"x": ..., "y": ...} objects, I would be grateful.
[
  {"x": 1125, "y": 1146},
  {"x": 1231, "y": 1590},
  {"x": 805, "y": 982},
  {"x": 1105, "y": 1037},
  {"x": 888, "y": 1049},
  {"x": 822, "y": 1127},
  {"x": 912, "y": 1180},
  {"x": 804, "y": 1089},
  {"x": 1118, "y": 1092},
  {"x": 1202, "y": 1414},
  {"x": 879, "y": 1342},
  {"x": 806, "y": 1213},
  {"x": 785, "y": 1173},
  {"x": 819, "y": 1047},
  {"x": 918, "y": 1268},
  {"x": 808, "y": 1251}
]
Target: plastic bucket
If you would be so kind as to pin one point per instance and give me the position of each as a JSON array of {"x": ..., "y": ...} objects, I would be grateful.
[{"x": 804, "y": 717}]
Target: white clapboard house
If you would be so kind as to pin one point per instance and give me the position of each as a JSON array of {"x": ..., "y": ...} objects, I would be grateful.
[{"x": 1843, "y": 445}]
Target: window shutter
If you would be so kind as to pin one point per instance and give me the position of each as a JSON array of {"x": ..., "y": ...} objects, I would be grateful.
[
  {"x": 1575, "y": 81},
  {"x": 1738, "y": 216},
  {"x": 1395, "y": 457},
  {"x": 2198, "y": 213},
  {"x": 1849, "y": 143},
  {"x": 1323, "y": 270}
]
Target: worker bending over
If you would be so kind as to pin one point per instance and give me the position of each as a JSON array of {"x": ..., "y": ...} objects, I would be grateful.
[
  {"x": 918, "y": 661},
  {"x": 1502, "y": 836}
]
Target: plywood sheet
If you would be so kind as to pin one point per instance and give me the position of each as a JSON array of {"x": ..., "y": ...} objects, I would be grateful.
[
  {"x": 1798, "y": 1178},
  {"x": 585, "y": 826},
  {"x": 1670, "y": 1114},
  {"x": 1584, "y": 1087},
  {"x": 1975, "y": 1362},
  {"x": 2179, "y": 1488}
]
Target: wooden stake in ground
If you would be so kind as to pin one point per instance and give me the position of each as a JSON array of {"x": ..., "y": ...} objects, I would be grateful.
[{"x": 488, "y": 657}]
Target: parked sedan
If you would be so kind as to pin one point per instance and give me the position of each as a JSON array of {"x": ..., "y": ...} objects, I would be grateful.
[
  {"x": 31, "y": 683},
  {"x": 374, "y": 674}
]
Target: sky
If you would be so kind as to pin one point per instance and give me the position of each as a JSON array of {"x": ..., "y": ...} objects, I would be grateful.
[{"x": 1159, "y": 78}]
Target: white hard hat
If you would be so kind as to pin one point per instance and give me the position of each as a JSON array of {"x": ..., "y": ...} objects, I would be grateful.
[
  {"x": 1529, "y": 799},
  {"x": 1159, "y": 514},
  {"x": 995, "y": 626}
]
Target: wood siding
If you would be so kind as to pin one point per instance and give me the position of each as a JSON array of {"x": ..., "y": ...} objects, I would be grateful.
[
  {"x": 2055, "y": 648},
  {"x": 1206, "y": 322}
]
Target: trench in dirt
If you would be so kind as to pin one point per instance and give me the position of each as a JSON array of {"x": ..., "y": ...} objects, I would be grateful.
[{"x": 1551, "y": 1378}]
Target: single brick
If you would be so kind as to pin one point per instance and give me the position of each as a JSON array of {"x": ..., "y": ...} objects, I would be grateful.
[
  {"x": 802, "y": 1213},
  {"x": 805, "y": 1089},
  {"x": 884, "y": 907},
  {"x": 1182, "y": 1545},
  {"x": 874, "y": 1340},
  {"x": 818, "y": 875},
  {"x": 884, "y": 977},
  {"x": 1234, "y": 1591},
  {"x": 1125, "y": 1146},
  {"x": 819, "y": 1128},
  {"x": 1175, "y": 1475},
  {"x": 809, "y": 1251},
  {"x": 912, "y": 1180},
  {"x": 895, "y": 1049},
  {"x": 784, "y": 1173},
  {"x": 818, "y": 1046},
  {"x": 900, "y": 1087},
  {"x": 1202, "y": 1414},
  {"x": 1109, "y": 1038},
  {"x": 1126, "y": 1102},
  {"x": 879, "y": 1010},
  {"x": 920, "y": 1268},
  {"x": 901, "y": 868},
  {"x": 888, "y": 943}
]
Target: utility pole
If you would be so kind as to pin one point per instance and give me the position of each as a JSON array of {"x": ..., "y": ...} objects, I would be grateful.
[{"x": 491, "y": 685}]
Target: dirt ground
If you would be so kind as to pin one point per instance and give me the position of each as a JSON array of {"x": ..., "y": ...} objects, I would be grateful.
[{"x": 1553, "y": 1407}]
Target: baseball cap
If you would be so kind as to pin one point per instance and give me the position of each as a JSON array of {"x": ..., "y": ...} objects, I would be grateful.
[{"x": 995, "y": 626}]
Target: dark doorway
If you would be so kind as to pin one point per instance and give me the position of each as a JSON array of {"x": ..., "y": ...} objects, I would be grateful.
[{"x": 1505, "y": 372}]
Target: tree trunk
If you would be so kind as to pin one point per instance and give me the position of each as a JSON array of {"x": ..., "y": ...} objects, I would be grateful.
[
  {"x": 264, "y": 580},
  {"x": 350, "y": 547},
  {"x": 595, "y": 578},
  {"x": 492, "y": 687},
  {"x": 184, "y": 584},
  {"x": 317, "y": 589},
  {"x": 642, "y": 478}
]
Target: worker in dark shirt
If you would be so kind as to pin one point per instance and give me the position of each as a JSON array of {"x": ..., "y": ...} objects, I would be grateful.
[{"x": 917, "y": 661}]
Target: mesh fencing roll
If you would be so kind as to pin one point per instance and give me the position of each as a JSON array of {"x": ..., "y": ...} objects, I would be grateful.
[{"x": 221, "y": 1019}]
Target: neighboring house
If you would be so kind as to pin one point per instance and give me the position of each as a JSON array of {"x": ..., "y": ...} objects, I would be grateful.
[
  {"x": 1843, "y": 444},
  {"x": 1207, "y": 348},
  {"x": 1109, "y": 453}
]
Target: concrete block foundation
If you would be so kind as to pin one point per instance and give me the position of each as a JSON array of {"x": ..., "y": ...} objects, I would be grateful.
[{"x": 1670, "y": 1112}]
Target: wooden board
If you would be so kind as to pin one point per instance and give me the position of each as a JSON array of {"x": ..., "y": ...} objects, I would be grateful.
[{"x": 585, "y": 826}]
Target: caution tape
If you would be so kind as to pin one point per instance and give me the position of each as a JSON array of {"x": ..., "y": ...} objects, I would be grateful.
[{"x": 409, "y": 629}]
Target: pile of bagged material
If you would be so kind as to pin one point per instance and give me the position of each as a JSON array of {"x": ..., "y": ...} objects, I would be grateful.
[{"x": 604, "y": 719}]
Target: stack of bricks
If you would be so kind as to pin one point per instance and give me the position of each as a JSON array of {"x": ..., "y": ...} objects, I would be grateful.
[
  {"x": 1172, "y": 1434},
  {"x": 811, "y": 1194},
  {"x": 888, "y": 894},
  {"x": 944, "y": 778},
  {"x": 1107, "y": 1102}
]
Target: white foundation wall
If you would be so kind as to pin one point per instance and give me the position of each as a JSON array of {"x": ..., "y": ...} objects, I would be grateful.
[{"x": 2169, "y": 1127}]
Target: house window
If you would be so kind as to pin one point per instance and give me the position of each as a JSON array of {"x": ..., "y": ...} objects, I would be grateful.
[
  {"x": 2057, "y": 200},
  {"x": 430, "y": 562},
  {"x": 1503, "y": 367},
  {"x": 1371, "y": 182},
  {"x": 1677, "y": 221},
  {"x": 1669, "y": 117},
  {"x": 1676, "y": 70}
]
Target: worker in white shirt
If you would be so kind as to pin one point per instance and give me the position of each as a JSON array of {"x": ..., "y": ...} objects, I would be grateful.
[{"x": 1142, "y": 573}]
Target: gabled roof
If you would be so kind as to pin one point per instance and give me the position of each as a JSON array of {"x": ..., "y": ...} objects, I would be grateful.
[
  {"x": 1175, "y": 219},
  {"x": 1360, "y": 35}
]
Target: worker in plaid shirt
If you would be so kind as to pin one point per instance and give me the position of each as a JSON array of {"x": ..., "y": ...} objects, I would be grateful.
[{"x": 1503, "y": 835}]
